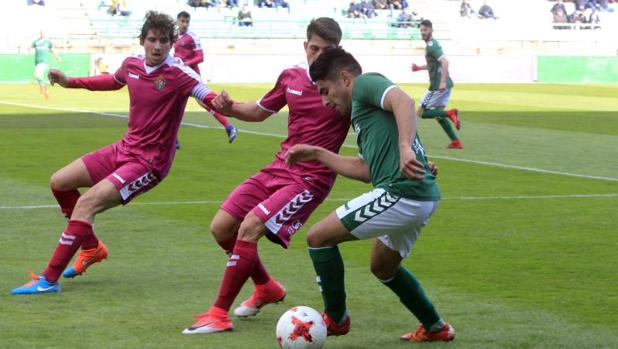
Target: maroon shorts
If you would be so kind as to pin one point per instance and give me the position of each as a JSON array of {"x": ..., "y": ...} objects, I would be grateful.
[
  {"x": 129, "y": 175},
  {"x": 282, "y": 204}
]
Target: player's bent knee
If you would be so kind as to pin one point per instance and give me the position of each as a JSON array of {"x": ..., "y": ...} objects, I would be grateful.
[
  {"x": 316, "y": 239},
  {"x": 251, "y": 229},
  {"x": 381, "y": 272},
  {"x": 57, "y": 182},
  {"x": 222, "y": 230}
]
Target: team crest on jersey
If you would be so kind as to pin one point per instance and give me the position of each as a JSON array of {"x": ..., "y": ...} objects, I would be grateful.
[{"x": 160, "y": 83}]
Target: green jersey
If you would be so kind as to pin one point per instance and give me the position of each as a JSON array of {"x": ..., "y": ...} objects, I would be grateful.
[
  {"x": 433, "y": 54},
  {"x": 377, "y": 136},
  {"x": 42, "y": 48}
]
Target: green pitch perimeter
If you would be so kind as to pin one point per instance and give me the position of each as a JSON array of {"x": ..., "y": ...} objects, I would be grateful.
[{"x": 522, "y": 252}]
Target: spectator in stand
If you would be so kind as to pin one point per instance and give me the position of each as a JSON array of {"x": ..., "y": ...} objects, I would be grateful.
[
  {"x": 405, "y": 19},
  {"x": 231, "y": 3},
  {"x": 367, "y": 9},
  {"x": 244, "y": 17},
  {"x": 267, "y": 3},
  {"x": 355, "y": 10},
  {"x": 398, "y": 4},
  {"x": 486, "y": 12},
  {"x": 604, "y": 5},
  {"x": 465, "y": 9},
  {"x": 380, "y": 4},
  {"x": 36, "y": 2},
  {"x": 281, "y": 3},
  {"x": 559, "y": 12}
]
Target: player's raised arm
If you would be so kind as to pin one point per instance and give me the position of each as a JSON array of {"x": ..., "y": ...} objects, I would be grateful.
[
  {"x": 104, "y": 82},
  {"x": 249, "y": 111},
  {"x": 349, "y": 166},
  {"x": 402, "y": 106}
]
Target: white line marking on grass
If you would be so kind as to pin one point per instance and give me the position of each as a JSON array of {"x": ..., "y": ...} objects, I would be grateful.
[
  {"x": 453, "y": 198},
  {"x": 258, "y": 133}
]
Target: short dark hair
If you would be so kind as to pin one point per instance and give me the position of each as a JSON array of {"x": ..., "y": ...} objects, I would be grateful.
[
  {"x": 183, "y": 14},
  {"x": 159, "y": 22},
  {"x": 331, "y": 62},
  {"x": 427, "y": 23},
  {"x": 326, "y": 28}
]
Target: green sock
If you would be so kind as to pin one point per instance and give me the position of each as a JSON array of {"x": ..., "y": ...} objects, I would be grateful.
[
  {"x": 447, "y": 126},
  {"x": 328, "y": 265},
  {"x": 433, "y": 114},
  {"x": 411, "y": 294}
]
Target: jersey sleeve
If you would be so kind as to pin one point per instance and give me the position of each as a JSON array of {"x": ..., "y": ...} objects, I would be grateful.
[
  {"x": 121, "y": 73},
  {"x": 371, "y": 89},
  {"x": 187, "y": 79},
  {"x": 435, "y": 51},
  {"x": 275, "y": 99}
]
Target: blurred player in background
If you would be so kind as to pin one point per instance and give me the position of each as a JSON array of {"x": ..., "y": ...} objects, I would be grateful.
[
  {"x": 438, "y": 94},
  {"x": 279, "y": 199},
  {"x": 188, "y": 48},
  {"x": 159, "y": 87},
  {"x": 42, "y": 49}
]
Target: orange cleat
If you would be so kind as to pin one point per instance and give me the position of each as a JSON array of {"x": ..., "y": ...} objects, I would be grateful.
[
  {"x": 446, "y": 334},
  {"x": 336, "y": 330},
  {"x": 85, "y": 259},
  {"x": 269, "y": 293},
  {"x": 453, "y": 114},
  {"x": 456, "y": 144},
  {"x": 213, "y": 321}
]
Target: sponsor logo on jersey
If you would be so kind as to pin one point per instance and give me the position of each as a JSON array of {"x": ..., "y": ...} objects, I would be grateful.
[
  {"x": 134, "y": 76},
  {"x": 160, "y": 83},
  {"x": 295, "y": 92}
]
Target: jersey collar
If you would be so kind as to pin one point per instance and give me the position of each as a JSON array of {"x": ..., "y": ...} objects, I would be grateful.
[{"x": 169, "y": 61}]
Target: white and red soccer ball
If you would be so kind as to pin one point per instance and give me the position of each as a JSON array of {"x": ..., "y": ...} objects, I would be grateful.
[{"x": 301, "y": 328}]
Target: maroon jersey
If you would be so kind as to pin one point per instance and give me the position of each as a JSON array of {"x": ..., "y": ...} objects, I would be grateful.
[
  {"x": 188, "y": 48},
  {"x": 158, "y": 96},
  {"x": 309, "y": 122}
]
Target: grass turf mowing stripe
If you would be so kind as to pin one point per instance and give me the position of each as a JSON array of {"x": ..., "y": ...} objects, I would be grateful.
[{"x": 478, "y": 162}]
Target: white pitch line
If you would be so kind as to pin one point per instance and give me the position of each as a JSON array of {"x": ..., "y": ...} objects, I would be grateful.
[
  {"x": 453, "y": 198},
  {"x": 190, "y": 124}
]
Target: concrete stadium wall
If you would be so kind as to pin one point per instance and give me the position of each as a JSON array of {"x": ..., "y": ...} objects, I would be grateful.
[{"x": 20, "y": 67}]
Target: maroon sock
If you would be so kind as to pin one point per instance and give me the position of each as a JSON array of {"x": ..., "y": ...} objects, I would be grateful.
[
  {"x": 67, "y": 200},
  {"x": 69, "y": 242},
  {"x": 259, "y": 275},
  {"x": 222, "y": 119},
  {"x": 237, "y": 271}
]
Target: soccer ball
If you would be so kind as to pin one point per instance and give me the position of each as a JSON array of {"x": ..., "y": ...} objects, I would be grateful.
[{"x": 301, "y": 328}]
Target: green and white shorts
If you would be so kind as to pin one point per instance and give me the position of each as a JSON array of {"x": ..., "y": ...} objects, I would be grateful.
[
  {"x": 433, "y": 99},
  {"x": 395, "y": 221}
]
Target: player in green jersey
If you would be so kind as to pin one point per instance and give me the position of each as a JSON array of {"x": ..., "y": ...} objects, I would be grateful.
[
  {"x": 405, "y": 194},
  {"x": 42, "y": 48},
  {"x": 436, "y": 98}
]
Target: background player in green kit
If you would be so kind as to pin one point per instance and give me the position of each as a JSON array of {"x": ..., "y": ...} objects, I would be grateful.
[
  {"x": 437, "y": 95},
  {"x": 405, "y": 192},
  {"x": 42, "y": 49}
]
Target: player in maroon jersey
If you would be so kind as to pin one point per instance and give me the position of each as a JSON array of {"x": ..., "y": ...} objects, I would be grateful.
[
  {"x": 189, "y": 49},
  {"x": 279, "y": 199},
  {"x": 159, "y": 87}
]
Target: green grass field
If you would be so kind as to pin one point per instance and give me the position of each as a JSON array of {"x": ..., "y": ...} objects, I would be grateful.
[{"x": 521, "y": 254}]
